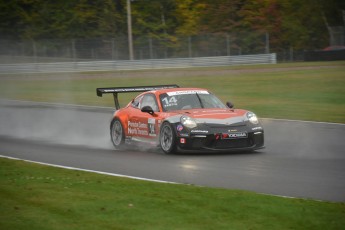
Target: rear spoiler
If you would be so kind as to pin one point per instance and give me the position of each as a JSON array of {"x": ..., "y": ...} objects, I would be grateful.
[{"x": 116, "y": 90}]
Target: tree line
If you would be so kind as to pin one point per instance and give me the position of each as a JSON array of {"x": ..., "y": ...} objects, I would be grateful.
[{"x": 290, "y": 23}]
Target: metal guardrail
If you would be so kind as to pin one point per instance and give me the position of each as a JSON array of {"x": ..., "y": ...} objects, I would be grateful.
[{"x": 138, "y": 64}]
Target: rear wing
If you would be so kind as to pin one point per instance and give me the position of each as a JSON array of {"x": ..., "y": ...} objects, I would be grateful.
[{"x": 116, "y": 90}]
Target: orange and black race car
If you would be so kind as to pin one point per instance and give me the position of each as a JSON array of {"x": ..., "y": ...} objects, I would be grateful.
[{"x": 175, "y": 119}]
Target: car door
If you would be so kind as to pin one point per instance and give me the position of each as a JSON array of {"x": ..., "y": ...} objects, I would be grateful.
[{"x": 143, "y": 125}]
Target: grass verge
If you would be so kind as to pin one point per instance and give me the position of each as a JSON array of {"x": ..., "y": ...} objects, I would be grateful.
[
  {"x": 40, "y": 197},
  {"x": 301, "y": 91}
]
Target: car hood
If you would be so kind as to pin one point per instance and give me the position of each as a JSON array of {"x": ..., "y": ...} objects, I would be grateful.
[{"x": 217, "y": 116}]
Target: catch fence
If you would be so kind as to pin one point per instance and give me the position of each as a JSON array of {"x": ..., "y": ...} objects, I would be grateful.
[{"x": 145, "y": 47}]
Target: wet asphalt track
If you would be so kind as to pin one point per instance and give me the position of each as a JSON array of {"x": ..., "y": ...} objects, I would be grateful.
[{"x": 301, "y": 159}]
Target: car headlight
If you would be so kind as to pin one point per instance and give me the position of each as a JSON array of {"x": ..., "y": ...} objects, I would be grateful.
[
  {"x": 252, "y": 118},
  {"x": 188, "y": 122}
]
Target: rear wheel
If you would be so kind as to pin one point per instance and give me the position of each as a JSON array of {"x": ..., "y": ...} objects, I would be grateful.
[
  {"x": 167, "y": 138},
  {"x": 117, "y": 133}
]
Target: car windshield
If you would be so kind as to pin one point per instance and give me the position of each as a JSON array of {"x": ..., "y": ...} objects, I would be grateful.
[{"x": 193, "y": 99}]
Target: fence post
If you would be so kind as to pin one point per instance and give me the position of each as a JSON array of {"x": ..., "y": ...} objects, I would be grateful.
[
  {"x": 291, "y": 54},
  {"x": 228, "y": 45},
  {"x": 34, "y": 51},
  {"x": 112, "y": 49},
  {"x": 150, "y": 47},
  {"x": 73, "y": 50},
  {"x": 267, "y": 43},
  {"x": 189, "y": 46}
]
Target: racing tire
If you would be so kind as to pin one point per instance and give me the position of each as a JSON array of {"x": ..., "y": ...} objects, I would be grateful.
[
  {"x": 167, "y": 138},
  {"x": 117, "y": 133}
]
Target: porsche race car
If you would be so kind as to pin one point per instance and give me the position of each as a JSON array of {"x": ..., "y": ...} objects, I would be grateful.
[{"x": 177, "y": 119}]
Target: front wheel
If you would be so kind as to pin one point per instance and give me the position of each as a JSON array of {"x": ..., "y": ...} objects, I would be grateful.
[
  {"x": 167, "y": 138},
  {"x": 117, "y": 133}
]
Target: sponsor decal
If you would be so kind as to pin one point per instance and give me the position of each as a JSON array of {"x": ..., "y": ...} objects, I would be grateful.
[
  {"x": 159, "y": 123},
  {"x": 151, "y": 126},
  {"x": 168, "y": 102},
  {"x": 179, "y": 128},
  {"x": 231, "y": 135},
  {"x": 187, "y": 92},
  {"x": 237, "y": 135},
  {"x": 198, "y": 131},
  {"x": 137, "y": 128},
  {"x": 183, "y": 140},
  {"x": 232, "y": 130},
  {"x": 257, "y": 128},
  {"x": 184, "y": 134}
]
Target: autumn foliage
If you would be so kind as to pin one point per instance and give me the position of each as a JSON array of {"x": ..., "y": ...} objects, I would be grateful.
[{"x": 289, "y": 23}]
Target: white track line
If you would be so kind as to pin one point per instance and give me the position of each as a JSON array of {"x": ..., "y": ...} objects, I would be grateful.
[{"x": 88, "y": 170}]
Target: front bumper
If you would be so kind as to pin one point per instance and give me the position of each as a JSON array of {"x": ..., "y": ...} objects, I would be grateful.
[{"x": 215, "y": 142}]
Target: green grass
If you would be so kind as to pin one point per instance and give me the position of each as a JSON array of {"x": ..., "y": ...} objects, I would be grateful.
[
  {"x": 40, "y": 197},
  {"x": 302, "y": 91}
]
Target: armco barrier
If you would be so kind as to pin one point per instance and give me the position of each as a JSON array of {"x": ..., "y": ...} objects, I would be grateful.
[{"x": 137, "y": 64}]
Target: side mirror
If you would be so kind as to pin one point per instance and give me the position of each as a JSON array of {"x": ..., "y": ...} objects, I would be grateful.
[
  {"x": 147, "y": 109},
  {"x": 229, "y": 105}
]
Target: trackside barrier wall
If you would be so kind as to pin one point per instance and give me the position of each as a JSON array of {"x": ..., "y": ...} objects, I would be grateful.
[{"x": 138, "y": 64}]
